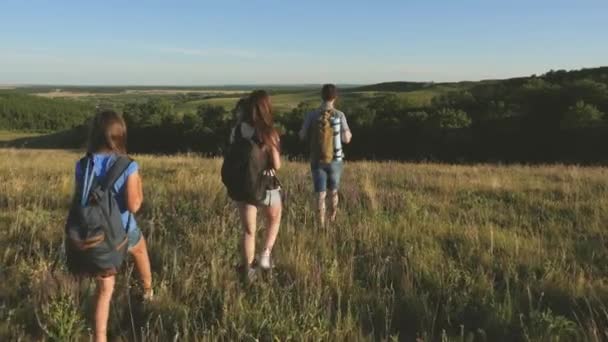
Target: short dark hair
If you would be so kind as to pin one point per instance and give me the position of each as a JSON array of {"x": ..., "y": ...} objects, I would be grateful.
[{"x": 329, "y": 92}]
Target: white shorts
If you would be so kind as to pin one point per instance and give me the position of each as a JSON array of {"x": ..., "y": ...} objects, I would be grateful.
[{"x": 272, "y": 198}]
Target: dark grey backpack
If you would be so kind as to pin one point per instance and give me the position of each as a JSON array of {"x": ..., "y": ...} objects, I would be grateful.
[
  {"x": 243, "y": 169},
  {"x": 95, "y": 238}
]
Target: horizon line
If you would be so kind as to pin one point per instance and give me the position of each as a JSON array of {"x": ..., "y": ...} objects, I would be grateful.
[{"x": 280, "y": 84}]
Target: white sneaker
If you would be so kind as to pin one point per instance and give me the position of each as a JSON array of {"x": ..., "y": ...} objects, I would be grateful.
[
  {"x": 265, "y": 262},
  {"x": 148, "y": 295}
]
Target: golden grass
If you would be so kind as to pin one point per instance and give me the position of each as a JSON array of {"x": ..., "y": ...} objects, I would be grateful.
[
  {"x": 12, "y": 135},
  {"x": 429, "y": 251}
]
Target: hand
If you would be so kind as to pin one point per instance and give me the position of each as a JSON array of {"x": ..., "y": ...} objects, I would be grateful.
[{"x": 270, "y": 172}]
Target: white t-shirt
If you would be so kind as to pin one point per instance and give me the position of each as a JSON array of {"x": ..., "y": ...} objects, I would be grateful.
[{"x": 247, "y": 131}]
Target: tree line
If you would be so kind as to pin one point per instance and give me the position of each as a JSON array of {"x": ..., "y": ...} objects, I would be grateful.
[{"x": 555, "y": 117}]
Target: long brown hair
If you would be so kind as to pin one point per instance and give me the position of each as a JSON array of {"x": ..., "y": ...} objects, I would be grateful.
[
  {"x": 108, "y": 133},
  {"x": 258, "y": 113}
]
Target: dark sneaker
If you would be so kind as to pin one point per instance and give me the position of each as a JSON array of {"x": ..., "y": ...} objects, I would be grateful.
[
  {"x": 247, "y": 273},
  {"x": 251, "y": 274}
]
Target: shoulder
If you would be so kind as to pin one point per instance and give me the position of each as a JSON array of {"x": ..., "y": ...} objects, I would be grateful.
[
  {"x": 247, "y": 131},
  {"x": 132, "y": 168},
  {"x": 110, "y": 159},
  {"x": 340, "y": 113}
]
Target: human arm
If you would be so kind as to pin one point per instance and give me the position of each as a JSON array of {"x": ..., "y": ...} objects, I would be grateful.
[
  {"x": 346, "y": 134},
  {"x": 134, "y": 192},
  {"x": 275, "y": 155}
]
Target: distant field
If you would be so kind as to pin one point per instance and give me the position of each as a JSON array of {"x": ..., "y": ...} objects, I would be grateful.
[
  {"x": 67, "y": 93},
  {"x": 287, "y": 102},
  {"x": 190, "y": 106},
  {"x": 431, "y": 252},
  {"x": 290, "y": 101},
  {"x": 281, "y": 102},
  {"x": 423, "y": 97},
  {"x": 283, "y": 98},
  {"x": 11, "y": 135}
]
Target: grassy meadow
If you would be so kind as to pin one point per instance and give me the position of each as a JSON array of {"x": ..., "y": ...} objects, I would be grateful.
[{"x": 420, "y": 252}]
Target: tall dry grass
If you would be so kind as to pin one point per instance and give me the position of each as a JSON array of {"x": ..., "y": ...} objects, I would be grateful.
[{"x": 428, "y": 251}]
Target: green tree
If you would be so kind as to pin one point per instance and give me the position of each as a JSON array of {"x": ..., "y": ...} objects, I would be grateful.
[
  {"x": 191, "y": 121},
  {"x": 212, "y": 117},
  {"x": 133, "y": 114},
  {"x": 153, "y": 112},
  {"x": 581, "y": 115},
  {"x": 455, "y": 99},
  {"x": 292, "y": 121},
  {"x": 28, "y": 112},
  {"x": 157, "y": 112},
  {"x": 451, "y": 118},
  {"x": 389, "y": 111}
]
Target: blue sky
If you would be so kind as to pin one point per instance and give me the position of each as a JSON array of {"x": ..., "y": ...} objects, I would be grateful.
[{"x": 286, "y": 42}]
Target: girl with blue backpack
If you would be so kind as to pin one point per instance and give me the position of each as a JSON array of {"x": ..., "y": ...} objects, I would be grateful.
[{"x": 101, "y": 226}]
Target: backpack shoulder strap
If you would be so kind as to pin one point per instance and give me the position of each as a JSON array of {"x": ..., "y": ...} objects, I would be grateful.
[
  {"x": 83, "y": 166},
  {"x": 238, "y": 135},
  {"x": 118, "y": 168},
  {"x": 327, "y": 113},
  {"x": 86, "y": 180}
]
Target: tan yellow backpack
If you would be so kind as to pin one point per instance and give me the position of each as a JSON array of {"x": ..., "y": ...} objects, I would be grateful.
[{"x": 321, "y": 138}]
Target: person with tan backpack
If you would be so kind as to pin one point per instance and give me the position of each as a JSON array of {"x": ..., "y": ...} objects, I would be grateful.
[{"x": 326, "y": 129}]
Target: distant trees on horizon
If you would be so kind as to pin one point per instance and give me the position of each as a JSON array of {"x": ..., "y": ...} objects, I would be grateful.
[{"x": 559, "y": 116}]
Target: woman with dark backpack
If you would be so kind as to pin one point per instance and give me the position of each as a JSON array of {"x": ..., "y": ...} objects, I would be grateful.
[
  {"x": 107, "y": 149},
  {"x": 249, "y": 173}
]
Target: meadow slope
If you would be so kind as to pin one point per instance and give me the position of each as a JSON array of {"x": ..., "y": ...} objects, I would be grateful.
[{"x": 429, "y": 251}]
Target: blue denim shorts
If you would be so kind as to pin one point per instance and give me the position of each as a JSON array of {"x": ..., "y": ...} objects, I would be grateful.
[
  {"x": 133, "y": 235},
  {"x": 326, "y": 176}
]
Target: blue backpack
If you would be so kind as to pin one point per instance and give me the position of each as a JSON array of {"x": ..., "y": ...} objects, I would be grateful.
[{"x": 95, "y": 238}]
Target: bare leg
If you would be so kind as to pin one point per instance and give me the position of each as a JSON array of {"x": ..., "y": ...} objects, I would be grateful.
[
  {"x": 273, "y": 219},
  {"x": 333, "y": 200},
  {"x": 248, "y": 214},
  {"x": 142, "y": 263},
  {"x": 321, "y": 208},
  {"x": 105, "y": 287}
]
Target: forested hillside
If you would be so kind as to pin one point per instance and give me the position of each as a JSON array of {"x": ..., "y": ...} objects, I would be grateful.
[
  {"x": 558, "y": 116},
  {"x": 26, "y": 112}
]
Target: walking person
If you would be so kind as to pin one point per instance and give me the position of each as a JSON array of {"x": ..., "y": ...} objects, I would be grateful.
[
  {"x": 326, "y": 129},
  {"x": 249, "y": 173},
  {"x": 101, "y": 227}
]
